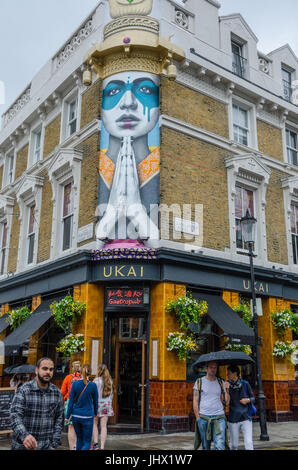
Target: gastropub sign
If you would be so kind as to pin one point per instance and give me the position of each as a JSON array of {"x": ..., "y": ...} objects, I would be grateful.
[{"x": 125, "y": 297}]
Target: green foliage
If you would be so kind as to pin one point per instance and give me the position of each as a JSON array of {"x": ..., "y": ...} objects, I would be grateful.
[
  {"x": 71, "y": 344},
  {"x": 182, "y": 344},
  {"x": 67, "y": 312},
  {"x": 244, "y": 311},
  {"x": 17, "y": 316},
  {"x": 186, "y": 310},
  {"x": 284, "y": 349},
  {"x": 283, "y": 321}
]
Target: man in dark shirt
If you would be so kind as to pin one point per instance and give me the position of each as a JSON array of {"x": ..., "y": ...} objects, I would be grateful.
[
  {"x": 36, "y": 413},
  {"x": 239, "y": 416}
]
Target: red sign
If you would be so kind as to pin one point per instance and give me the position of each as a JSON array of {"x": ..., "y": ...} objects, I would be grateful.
[{"x": 125, "y": 297}]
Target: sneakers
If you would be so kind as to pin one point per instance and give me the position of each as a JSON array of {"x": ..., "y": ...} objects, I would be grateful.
[{"x": 95, "y": 446}]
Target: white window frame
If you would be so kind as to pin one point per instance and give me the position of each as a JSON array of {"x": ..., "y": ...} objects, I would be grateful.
[
  {"x": 241, "y": 45},
  {"x": 251, "y": 173},
  {"x": 10, "y": 172},
  {"x": 7, "y": 208},
  {"x": 65, "y": 217},
  {"x": 252, "y": 122},
  {"x": 29, "y": 234},
  {"x": 246, "y": 187},
  {"x": 32, "y": 150},
  {"x": 289, "y": 71},
  {"x": 288, "y": 129},
  {"x": 65, "y": 122},
  {"x": 3, "y": 223},
  {"x": 290, "y": 188}
]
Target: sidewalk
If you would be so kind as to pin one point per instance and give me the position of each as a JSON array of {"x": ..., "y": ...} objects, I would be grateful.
[{"x": 282, "y": 435}]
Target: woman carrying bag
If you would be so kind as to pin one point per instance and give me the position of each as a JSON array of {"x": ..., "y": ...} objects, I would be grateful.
[{"x": 82, "y": 406}]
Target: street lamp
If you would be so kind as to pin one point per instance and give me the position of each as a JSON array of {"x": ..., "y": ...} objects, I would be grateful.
[{"x": 248, "y": 230}]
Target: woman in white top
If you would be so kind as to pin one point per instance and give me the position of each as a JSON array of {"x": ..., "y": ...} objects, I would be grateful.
[{"x": 104, "y": 385}]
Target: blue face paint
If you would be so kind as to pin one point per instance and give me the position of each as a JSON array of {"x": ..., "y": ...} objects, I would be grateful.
[{"x": 143, "y": 89}]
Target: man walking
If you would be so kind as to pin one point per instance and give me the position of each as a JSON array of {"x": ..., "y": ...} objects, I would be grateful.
[
  {"x": 36, "y": 412},
  {"x": 210, "y": 395},
  {"x": 239, "y": 417}
]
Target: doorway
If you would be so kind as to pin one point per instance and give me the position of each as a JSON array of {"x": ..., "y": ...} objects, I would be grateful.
[{"x": 127, "y": 363}]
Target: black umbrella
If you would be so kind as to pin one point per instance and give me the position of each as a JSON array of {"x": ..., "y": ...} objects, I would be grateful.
[
  {"x": 22, "y": 369},
  {"x": 223, "y": 358},
  {"x": 9, "y": 369}
]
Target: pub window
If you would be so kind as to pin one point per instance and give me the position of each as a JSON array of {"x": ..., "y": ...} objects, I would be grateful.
[
  {"x": 67, "y": 217},
  {"x": 3, "y": 247},
  {"x": 31, "y": 234},
  {"x": 294, "y": 232},
  {"x": 244, "y": 201}
]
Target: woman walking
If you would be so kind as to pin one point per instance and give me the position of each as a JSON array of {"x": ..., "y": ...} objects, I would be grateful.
[
  {"x": 104, "y": 385},
  {"x": 65, "y": 390},
  {"x": 82, "y": 406}
]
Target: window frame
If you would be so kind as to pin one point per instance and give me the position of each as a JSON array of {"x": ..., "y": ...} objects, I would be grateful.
[
  {"x": 244, "y": 187},
  {"x": 73, "y": 95},
  {"x": 11, "y": 155},
  {"x": 65, "y": 217},
  {"x": 29, "y": 234},
  {"x": 240, "y": 56},
  {"x": 252, "y": 122},
  {"x": 289, "y": 147},
  {"x": 286, "y": 83},
  {"x": 3, "y": 260}
]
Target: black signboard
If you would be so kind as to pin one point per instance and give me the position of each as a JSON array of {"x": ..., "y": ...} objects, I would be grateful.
[
  {"x": 6, "y": 397},
  {"x": 124, "y": 297}
]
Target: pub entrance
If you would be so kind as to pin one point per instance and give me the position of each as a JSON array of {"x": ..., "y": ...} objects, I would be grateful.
[{"x": 127, "y": 361}]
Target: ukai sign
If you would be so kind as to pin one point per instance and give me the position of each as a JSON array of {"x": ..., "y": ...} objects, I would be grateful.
[{"x": 120, "y": 272}]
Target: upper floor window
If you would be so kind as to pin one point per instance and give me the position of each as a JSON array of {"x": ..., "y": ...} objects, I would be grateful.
[
  {"x": 31, "y": 234},
  {"x": 72, "y": 117},
  {"x": 287, "y": 83},
  {"x": 240, "y": 124},
  {"x": 67, "y": 217},
  {"x": 3, "y": 247},
  {"x": 292, "y": 147},
  {"x": 10, "y": 167},
  {"x": 239, "y": 63},
  {"x": 294, "y": 232},
  {"x": 37, "y": 146},
  {"x": 244, "y": 201}
]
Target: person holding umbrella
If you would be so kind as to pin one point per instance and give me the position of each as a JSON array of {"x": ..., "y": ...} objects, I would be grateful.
[
  {"x": 211, "y": 394},
  {"x": 241, "y": 400}
]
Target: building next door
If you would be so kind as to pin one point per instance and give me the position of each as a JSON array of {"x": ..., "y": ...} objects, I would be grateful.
[{"x": 127, "y": 346}]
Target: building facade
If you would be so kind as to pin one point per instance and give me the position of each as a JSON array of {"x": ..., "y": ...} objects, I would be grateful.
[{"x": 219, "y": 136}]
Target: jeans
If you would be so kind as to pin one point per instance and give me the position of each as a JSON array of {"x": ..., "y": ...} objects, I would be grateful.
[
  {"x": 218, "y": 439},
  {"x": 246, "y": 428},
  {"x": 83, "y": 429}
]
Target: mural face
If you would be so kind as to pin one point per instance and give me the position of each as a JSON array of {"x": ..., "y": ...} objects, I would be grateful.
[{"x": 129, "y": 155}]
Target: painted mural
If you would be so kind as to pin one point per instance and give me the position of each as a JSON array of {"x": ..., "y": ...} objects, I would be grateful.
[{"x": 129, "y": 162}]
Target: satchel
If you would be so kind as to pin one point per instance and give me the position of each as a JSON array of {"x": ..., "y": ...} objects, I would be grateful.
[
  {"x": 251, "y": 407},
  {"x": 77, "y": 399}
]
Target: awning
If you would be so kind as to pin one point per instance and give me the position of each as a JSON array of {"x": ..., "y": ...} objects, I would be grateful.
[
  {"x": 22, "y": 334},
  {"x": 224, "y": 316},
  {"x": 3, "y": 322}
]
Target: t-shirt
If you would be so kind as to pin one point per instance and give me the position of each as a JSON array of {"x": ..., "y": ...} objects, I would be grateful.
[
  {"x": 210, "y": 402},
  {"x": 99, "y": 383}
]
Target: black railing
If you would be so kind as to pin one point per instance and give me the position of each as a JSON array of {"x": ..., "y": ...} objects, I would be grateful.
[{"x": 239, "y": 65}]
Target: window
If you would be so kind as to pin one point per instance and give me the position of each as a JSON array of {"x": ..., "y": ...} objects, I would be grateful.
[
  {"x": 238, "y": 61},
  {"x": 294, "y": 232},
  {"x": 287, "y": 83},
  {"x": 31, "y": 234},
  {"x": 67, "y": 217},
  {"x": 292, "y": 148},
  {"x": 37, "y": 146},
  {"x": 240, "y": 125},
  {"x": 3, "y": 247},
  {"x": 10, "y": 166},
  {"x": 244, "y": 200},
  {"x": 72, "y": 117}
]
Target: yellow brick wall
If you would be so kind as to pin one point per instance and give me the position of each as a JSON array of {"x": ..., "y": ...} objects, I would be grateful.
[
  {"x": 21, "y": 161},
  {"x": 52, "y": 136},
  {"x": 89, "y": 182},
  {"x": 270, "y": 140},
  {"x": 161, "y": 324},
  {"x": 194, "y": 108},
  {"x": 193, "y": 172},
  {"x": 91, "y": 103},
  {"x": 275, "y": 220},
  {"x": 45, "y": 226},
  {"x": 14, "y": 240}
]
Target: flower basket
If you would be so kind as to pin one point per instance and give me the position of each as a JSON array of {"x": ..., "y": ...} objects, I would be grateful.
[
  {"x": 239, "y": 347},
  {"x": 284, "y": 349},
  {"x": 181, "y": 344},
  {"x": 71, "y": 344},
  {"x": 187, "y": 310},
  {"x": 283, "y": 321},
  {"x": 17, "y": 316},
  {"x": 245, "y": 313},
  {"x": 67, "y": 312}
]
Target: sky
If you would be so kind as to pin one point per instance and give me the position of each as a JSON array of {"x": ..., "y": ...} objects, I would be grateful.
[{"x": 32, "y": 31}]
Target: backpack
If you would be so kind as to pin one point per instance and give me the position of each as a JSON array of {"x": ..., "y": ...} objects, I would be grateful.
[
  {"x": 219, "y": 380},
  {"x": 251, "y": 407}
]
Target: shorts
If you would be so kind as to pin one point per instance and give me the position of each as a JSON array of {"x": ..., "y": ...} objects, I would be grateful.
[{"x": 105, "y": 408}]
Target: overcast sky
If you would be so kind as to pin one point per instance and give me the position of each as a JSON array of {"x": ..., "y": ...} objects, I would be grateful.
[{"x": 31, "y": 31}]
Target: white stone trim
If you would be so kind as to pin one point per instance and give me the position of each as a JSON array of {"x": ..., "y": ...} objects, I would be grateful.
[
  {"x": 290, "y": 190},
  {"x": 64, "y": 168},
  {"x": 7, "y": 208}
]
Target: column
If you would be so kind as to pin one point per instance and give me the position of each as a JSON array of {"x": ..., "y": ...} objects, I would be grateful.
[
  {"x": 4, "y": 309},
  {"x": 35, "y": 348}
]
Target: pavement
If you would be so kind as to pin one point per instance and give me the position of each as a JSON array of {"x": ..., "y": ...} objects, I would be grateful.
[{"x": 283, "y": 436}]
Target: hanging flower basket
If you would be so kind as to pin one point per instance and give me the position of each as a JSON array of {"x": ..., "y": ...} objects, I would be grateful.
[
  {"x": 181, "y": 344},
  {"x": 238, "y": 347},
  {"x": 71, "y": 344},
  {"x": 245, "y": 313},
  {"x": 67, "y": 312},
  {"x": 17, "y": 316},
  {"x": 284, "y": 320},
  {"x": 187, "y": 310},
  {"x": 284, "y": 349}
]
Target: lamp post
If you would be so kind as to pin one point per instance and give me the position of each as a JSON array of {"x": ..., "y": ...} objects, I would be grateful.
[{"x": 248, "y": 229}]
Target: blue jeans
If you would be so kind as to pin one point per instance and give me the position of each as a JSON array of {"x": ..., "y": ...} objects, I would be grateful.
[
  {"x": 218, "y": 439},
  {"x": 83, "y": 429}
]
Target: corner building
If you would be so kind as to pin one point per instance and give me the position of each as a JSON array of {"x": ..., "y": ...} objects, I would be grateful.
[{"x": 219, "y": 137}]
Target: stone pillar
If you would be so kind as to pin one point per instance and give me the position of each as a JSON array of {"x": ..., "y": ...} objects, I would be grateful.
[
  {"x": 168, "y": 408},
  {"x": 276, "y": 373},
  {"x": 91, "y": 324},
  {"x": 35, "y": 348},
  {"x": 4, "y": 309}
]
